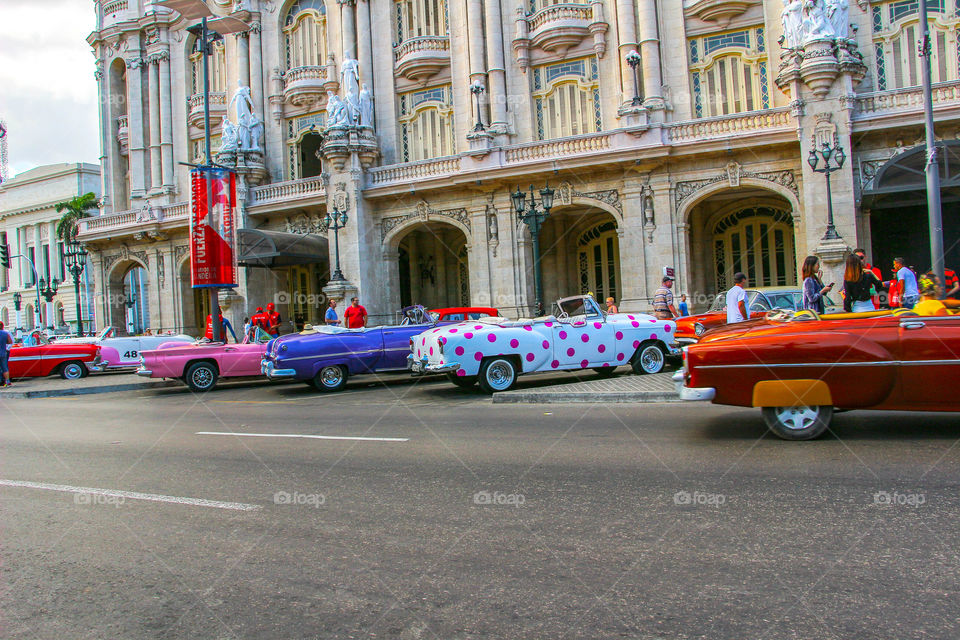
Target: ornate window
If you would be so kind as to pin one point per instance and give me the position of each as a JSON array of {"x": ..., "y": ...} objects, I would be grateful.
[
  {"x": 729, "y": 72},
  {"x": 305, "y": 34},
  {"x": 896, "y": 28},
  {"x": 757, "y": 241},
  {"x": 198, "y": 149},
  {"x": 567, "y": 98},
  {"x": 598, "y": 261},
  {"x": 303, "y": 145},
  {"x": 426, "y": 123},
  {"x": 218, "y": 68},
  {"x": 418, "y": 18}
]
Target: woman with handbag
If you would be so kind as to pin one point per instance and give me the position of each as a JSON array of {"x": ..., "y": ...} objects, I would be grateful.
[{"x": 859, "y": 286}]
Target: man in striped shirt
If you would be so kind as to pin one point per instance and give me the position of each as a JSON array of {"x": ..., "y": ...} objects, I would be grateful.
[{"x": 663, "y": 300}]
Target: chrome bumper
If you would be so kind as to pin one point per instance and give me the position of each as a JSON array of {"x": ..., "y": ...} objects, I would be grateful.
[
  {"x": 97, "y": 365},
  {"x": 145, "y": 373},
  {"x": 684, "y": 342},
  {"x": 676, "y": 349},
  {"x": 704, "y": 394},
  {"x": 423, "y": 367},
  {"x": 269, "y": 369}
]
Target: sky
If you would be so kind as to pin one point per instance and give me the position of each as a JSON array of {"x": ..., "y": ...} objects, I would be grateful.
[{"x": 48, "y": 95}]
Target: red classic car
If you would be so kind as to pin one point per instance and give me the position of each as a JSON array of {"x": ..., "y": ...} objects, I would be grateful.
[
  {"x": 759, "y": 302},
  {"x": 71, "y": 361},
  {"x": 798, "y": 367},
  {"x": 461, "y": 314}
]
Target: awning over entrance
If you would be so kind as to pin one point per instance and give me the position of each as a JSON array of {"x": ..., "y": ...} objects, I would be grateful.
[
  {"x": 902, "y": 180},
  {"x": 262, "y": 248}
]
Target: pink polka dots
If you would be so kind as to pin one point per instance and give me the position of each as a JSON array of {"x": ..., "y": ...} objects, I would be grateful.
[
  {"x": 431, "y": 350},
  {"x": 554, "y": 364},
  {"x": 668, "y": 328},
  {"x": 459, "y": 351},
  {"x": 423, "y": 342},
  {"x": 467, "y": 335},
  {"x": 478, "y": 356},
  {"x": 619, "y": 335},
  {"x": 478, "y": 327},
  {"x": 563, "y": 335},
  {"x": 635, "y": 324},
  {"x": 514, "y": 343},
  {"x": 653, "y": 336},
  {"x": 548, "y": 324},
  {"x": 602, "y": 348},
  {"x": 584, "y": 363},
  {"x": 597, "y": 325},
  {"x": 621, "y": 356},
  {"x": 606, "y": 364},
  {"x": 631, "y": 317},
  {"x": 636, "y": 343},
  {"x": 546, "y": 345},
  {"x": 461, "y": 373},
  {"x": 530, "y": 357},
  {"x": 585, "y": 338},
  {"x": 570, "y": 352},
  {"x": 453, "y": 330},
  {"x": 491, "y": 337},
  {"x": 528, "y": 328}
]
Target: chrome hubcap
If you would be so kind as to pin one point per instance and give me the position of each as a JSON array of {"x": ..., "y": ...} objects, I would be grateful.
[
  {"x": 500, "y": 375},
  {"x": 651, "y": 359},
  {"x": 331, "y": 376},
  {"x": 202, "y": 377},
  {"x": 797, "y": 418},
  {"x": 72, "y": 371}
]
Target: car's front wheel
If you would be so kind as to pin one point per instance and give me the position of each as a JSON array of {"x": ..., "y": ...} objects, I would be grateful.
[
  {"x": 649, "y": 358},
  {"x": 201, "y": 376},
  {"x": 330, "y": 379},
  {"x": 497, "y": 374},
  {"x": 464, "y": 382},
  {"x": 73, "y": 370},
  {"x": 797, "y": 423}
]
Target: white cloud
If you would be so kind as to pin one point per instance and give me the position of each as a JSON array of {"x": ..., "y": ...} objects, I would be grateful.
[{"x": 49, "y": 97}]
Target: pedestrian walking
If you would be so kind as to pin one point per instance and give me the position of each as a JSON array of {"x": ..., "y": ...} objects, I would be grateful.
[
  {"x": 860, "y": 253},
  {"x": 737, "y": 310},
  {"x": 684, "y": 308},
  {"x": 246, "y": 326},
  {"x": 331, "y": 317},
  {"x": 355, "y": 316},
  {"x": 5, "y": 341},
  {"x": 813, "y": 287},
  {"x": 859, "y": 286},
  {"x": 906, "y": 281},
  {"x": 663, "y": 300}
]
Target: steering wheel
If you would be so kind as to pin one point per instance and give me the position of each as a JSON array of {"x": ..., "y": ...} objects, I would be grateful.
[{"x": 805, "y": 315}]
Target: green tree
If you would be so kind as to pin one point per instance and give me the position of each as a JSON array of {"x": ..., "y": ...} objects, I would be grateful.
[{"x": 72, "y": 211}]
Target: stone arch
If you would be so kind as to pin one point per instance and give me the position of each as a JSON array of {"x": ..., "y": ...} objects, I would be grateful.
[
  {"x": 429, "y": 263},
  {"x": 392, "y": 236},
  {"x": 193, "y": 304},
  {"x": 580, "y": 251},
  {"x": 128, "y": 300},
  {"x": 687, "y": 205}
]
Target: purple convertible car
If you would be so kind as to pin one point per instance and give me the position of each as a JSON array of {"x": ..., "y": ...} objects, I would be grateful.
[{"x": 325, "y": 357}]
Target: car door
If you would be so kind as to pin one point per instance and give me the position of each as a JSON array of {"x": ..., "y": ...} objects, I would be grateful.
[
  {"x": 396, "y": 345},
  {"x": 584, "y": 342},
  {"x": 24, "y": 362},
  {"x": 930, "y": 361}
]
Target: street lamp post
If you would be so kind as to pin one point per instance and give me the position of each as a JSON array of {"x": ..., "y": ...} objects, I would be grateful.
[
  {"x": 336, "y": 220},
  {"x": 476, "y": 89},
  {"x": 130, "y": 303},
  {"x": 534, "y": 218},
  {"x": 17, "y": 300},
  {"x": 76, "y": 257},
  {"x": 48, "y": 290},
  {"x": 633, "y": 59},
  {"x": 932, "y": 170},
  {"x": 828, "y": 152}
]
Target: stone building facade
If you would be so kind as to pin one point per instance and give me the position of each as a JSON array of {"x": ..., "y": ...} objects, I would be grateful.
[
  {"x": 28, "y": 223},
  {"x": 695, "y": 156}
]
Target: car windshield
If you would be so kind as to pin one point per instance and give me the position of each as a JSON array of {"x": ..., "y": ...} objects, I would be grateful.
[
  {"x": 417, "y": 315},
  {"x": 719, "y": 304},
  {"x": 579, "y": 306},
  {"x": 783, "y": 300}
]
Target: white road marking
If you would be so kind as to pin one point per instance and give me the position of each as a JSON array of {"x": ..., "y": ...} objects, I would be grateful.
[
  {"x": 297, "y": 435},
  {"x": 132, "y": 495}
]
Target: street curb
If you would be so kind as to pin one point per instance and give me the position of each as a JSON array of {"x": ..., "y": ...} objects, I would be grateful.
[
  {"x": 82, "y": 391},
  {"x": 546, "y": 397}
]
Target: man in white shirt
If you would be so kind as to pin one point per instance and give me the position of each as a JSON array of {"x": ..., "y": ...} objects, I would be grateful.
[
  {"x": 908, "y": 283},
  {"x": 737, "y": 299}
]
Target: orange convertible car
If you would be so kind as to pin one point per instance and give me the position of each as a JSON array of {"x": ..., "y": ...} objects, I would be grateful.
[{"x": 798, "y": 367}]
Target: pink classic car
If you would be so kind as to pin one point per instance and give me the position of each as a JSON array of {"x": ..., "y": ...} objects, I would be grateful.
[{"x": 199, "y": 365}]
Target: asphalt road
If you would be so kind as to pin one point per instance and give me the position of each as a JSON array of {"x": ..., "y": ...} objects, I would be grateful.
[{"x": 479, "y": 521}]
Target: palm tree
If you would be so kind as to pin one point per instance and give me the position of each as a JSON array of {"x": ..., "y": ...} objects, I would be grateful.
[{"x": 73, "y": 211}]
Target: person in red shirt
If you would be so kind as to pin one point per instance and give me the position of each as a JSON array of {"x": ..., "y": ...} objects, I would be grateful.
[
  {"x": 273, "y": 320},
  {"x": 224, "y": 327},
  {"x": 355, "y": 316},
  {"x": 952, "y": 290},
  {"x": 860, "y": 253},
  {"x": 259, "y": 319}
]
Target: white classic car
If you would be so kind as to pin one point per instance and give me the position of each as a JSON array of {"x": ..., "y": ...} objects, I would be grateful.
[
  {"x": 494, "y": 351},
  {"x": 124, "y": 353}
]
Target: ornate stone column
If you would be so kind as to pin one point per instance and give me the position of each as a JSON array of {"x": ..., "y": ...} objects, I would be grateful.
[
  {"x": 365, "y": 45},
  {"x": 627, "y": 42},
  {"x": 256, "y": 66},
  {"x": 135, "y": 112},
  {"x": 153, "y": 98},
  {"x": 496, "y": 70},
  {"x": 243, "y": 57},
  {"x": 166, "y": 124},
  {"x": 348, "y": 29},
  {"x": 650, "y": 52}
]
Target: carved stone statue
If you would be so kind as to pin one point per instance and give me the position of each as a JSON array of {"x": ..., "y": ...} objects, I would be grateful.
[
  {"x": 241, "y": 98},
  {"x": 366, "y": 107},
  {"x": 350, "y": 76},
  {"x": 337, "y": 115},
  {"x": 838, "y": 15},
  {"x": 815, "y": 24},
  {"x": 228, "y": 137},
  {"x": 254, "y": 127},
  {"x": 353, "y": 106},
  {"x": 792, "y": 22}
]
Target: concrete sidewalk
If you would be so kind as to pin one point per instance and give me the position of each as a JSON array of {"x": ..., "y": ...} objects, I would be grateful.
[
  {"x": 623, "y": 387},
  {"x": 55, "y": 386}
]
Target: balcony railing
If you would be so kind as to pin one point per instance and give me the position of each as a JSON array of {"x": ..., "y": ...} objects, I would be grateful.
[
  {"x": 560, "y": 26},
  {"x": 304, "y": 85},
  {"x": 289, "y": 192},
  {"x": 870, "y": 105},
  {"x": 420, "y": 58},
  {"x": 218, "y": 108},
  {"x": 413, "y": 171},
  {"x": 574, "y": 145},
  {"x": 134, "y": 221},
  {"x": 735, "y": 125}
]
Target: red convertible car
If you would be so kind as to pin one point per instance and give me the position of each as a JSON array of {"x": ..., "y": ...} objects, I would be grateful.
[
  {"x": 71, "y": 361},
  {"x": 798, "y": 367}
]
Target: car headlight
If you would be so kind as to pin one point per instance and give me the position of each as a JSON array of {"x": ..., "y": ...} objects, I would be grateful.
[{"x": 699, "y": 329}]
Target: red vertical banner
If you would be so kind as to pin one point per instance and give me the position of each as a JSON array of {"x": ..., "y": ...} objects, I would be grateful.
[{"x": 213, "y": 232}]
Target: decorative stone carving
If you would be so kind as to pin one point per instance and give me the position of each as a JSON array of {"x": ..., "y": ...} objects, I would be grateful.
[
  {"x": 683, "y": 190},
  {"x": 423, "y": 213},
  {"x": 807, "y": 20},
  {"x": 733, "y": 174},
  {"x": 555, "y": 28},
  {"x": 302, "y": 224},
  {"x": 649, "y": 219},
  {"x": 608, "y": 196}
]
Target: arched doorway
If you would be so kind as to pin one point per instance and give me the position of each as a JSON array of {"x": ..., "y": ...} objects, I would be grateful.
[
  {"x": 128, "y": 294},
  {"x": 194, "y": 303},
  {"x": 433, "y": 266},
  {"x": 897, "y": 205},
  {"x": 749, "y": 230},
  {"x": 580, "y": 252},
  {"x": 30, "y": 317},
  {"x": 310, "y": 163}
]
